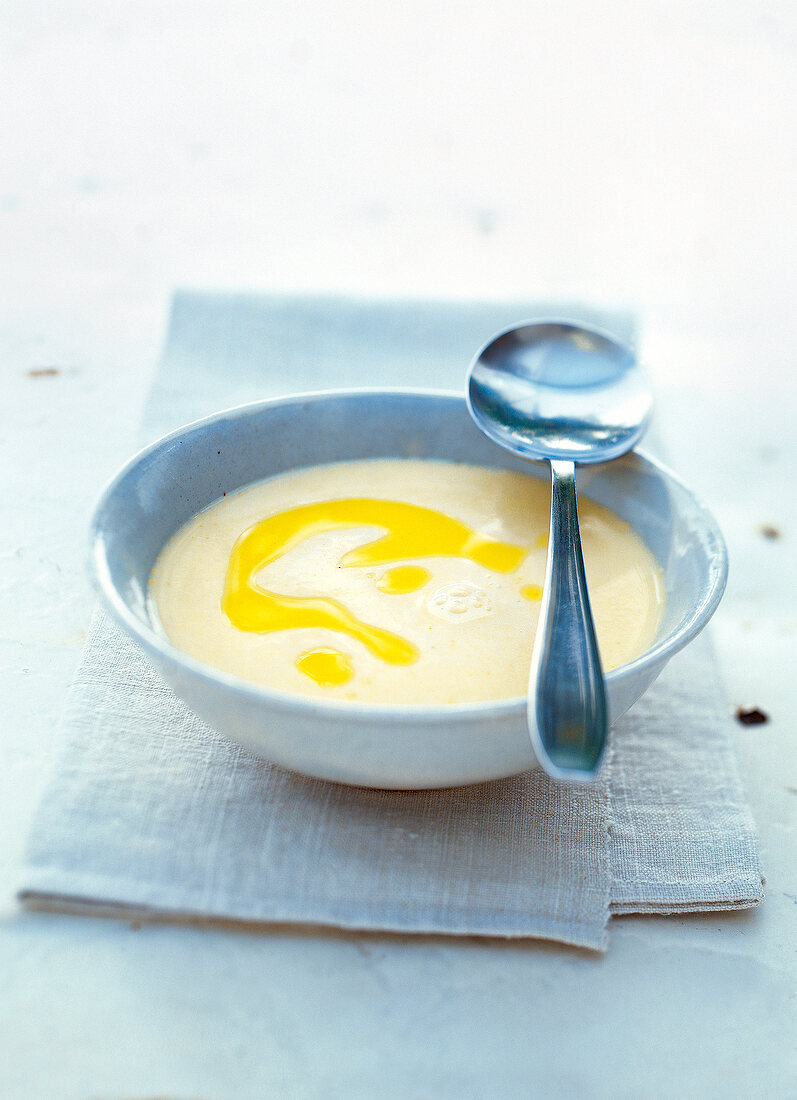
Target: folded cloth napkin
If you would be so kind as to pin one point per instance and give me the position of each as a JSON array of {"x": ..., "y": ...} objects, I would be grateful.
[{"x": 149, "y": 812}]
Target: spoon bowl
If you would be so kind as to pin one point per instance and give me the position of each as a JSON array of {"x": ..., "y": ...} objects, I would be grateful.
[
  {"x": 557, "y": 390},
  {"x": 564, "y": 393}
]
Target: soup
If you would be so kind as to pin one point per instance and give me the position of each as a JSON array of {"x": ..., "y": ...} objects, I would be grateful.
[{"x": 391, "y": 581}]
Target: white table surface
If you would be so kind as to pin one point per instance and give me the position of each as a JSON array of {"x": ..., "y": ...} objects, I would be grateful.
[{"x": 625, "y": 153}]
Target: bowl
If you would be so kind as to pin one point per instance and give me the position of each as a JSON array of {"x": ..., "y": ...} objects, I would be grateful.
[{"x": 387, "y": 745}]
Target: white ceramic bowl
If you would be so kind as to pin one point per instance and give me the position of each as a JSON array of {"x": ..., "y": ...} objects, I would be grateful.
[{"x": 366, "y": 744}]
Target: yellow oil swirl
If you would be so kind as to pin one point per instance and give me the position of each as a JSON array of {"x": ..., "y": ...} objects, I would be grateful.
[
  {"x": 531, "y": 592},
  {"x": 411, "y": 532}
]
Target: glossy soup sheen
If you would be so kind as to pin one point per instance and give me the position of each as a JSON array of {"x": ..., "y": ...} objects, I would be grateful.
[{"x": 392, "y": 581}]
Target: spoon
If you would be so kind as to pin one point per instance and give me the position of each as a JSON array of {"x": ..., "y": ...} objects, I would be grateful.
[{"x": 564, "y": 393}]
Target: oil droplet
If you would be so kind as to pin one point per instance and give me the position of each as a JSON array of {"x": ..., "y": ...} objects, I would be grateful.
[
  {"x": 541, "y": 541},
  {"x": 403, "y": 579},
  {"x": 531, "y": 592},
  {"x": 327, "y": 667}
]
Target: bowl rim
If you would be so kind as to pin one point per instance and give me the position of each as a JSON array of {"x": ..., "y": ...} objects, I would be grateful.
[{"x": 386, "y": 713}]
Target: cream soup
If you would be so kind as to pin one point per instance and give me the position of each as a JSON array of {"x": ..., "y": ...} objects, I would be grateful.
[{"x": 392, "y": 581}]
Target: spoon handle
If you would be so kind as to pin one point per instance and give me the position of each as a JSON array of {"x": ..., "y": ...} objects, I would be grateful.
[{"x": 567, "y": 698}]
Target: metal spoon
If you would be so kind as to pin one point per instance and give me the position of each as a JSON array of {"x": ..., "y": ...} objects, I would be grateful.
[{"x": 565, "y": 393}]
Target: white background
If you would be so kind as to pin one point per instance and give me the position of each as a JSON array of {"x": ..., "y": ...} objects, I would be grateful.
[{"x": 629, "y": 153}]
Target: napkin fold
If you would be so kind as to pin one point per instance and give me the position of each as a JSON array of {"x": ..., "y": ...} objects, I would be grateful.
[{"x": 149, "y": 812}]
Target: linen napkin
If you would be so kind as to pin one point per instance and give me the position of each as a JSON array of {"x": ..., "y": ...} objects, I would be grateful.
[{"x": 149, "y": 812}]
